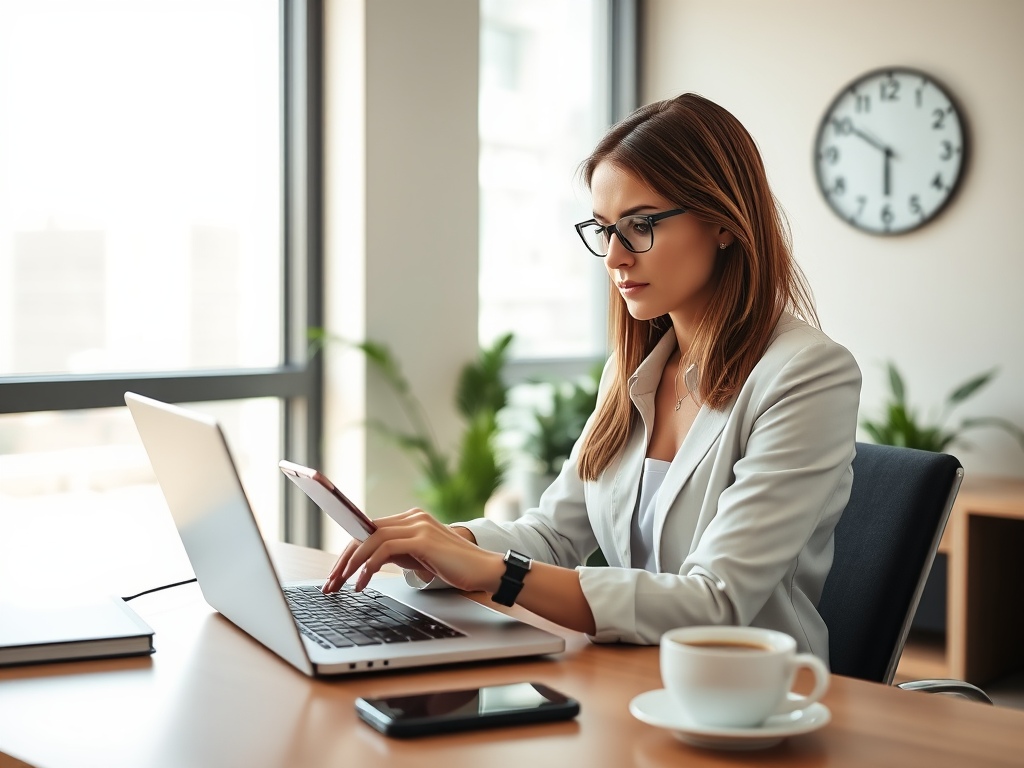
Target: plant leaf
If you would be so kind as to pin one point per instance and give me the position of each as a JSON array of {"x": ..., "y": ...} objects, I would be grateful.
[
  {"x": 967, "y": 389},
  {"x": 933, "y": 439},
  {"x": 896, "y": 383},
  {"x": 995, "y": 421},
  {"x": 480, "y": 386},
  {"x": 875, "y": 431},
  {"x": 384, "y": 361},
  {"x": 318, "y": 338},
  {"x": 951, "y": 438}
]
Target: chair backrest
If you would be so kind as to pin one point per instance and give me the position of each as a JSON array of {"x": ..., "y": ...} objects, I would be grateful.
[{"x": 885, "y": 544}]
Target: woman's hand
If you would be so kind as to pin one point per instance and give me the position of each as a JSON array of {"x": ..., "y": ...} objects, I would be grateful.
[{"x": 416, "y": 540}]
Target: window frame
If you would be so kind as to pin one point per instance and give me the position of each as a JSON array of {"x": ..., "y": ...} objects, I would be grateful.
[{"x": 299, "y": 380}]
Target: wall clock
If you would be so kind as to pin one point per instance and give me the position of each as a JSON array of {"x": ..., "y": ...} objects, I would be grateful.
[{"x": 891, "y": 151}]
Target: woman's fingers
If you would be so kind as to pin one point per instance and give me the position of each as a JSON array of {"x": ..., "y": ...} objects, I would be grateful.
[
  {"x": 409, "y": 516},
  {"x": 334, "y": 581},
  {"x": 395, "y": 548},
  {"x": 413, "y": 539},
  {"x": 365, "y": 549},
  {"x": 440, "y": 551}
]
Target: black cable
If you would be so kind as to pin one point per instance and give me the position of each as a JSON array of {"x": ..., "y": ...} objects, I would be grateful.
[{"x": 157, "y": 589}]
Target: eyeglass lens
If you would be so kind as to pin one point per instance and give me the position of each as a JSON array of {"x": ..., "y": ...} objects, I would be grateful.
[{"x": 635, "y": 232}]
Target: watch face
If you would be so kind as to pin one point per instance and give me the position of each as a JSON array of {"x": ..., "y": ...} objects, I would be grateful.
[
  {"x": 891, "y": 151},
  {"x": 518, "y": 560}
]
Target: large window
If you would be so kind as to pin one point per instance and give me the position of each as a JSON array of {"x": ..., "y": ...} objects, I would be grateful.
[
  {"x": 159, "y": 232},
  {"x": 544, "y": 101},
  {"x": 140, "y": 191}
]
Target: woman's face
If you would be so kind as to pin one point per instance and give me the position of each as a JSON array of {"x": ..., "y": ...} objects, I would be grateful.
[{"x": 675, "y": 276}]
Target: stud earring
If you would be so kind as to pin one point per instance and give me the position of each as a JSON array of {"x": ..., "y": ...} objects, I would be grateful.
[{"x": 721, "y": 246}]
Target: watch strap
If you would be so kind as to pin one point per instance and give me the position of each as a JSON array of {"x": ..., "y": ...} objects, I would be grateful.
[{"x": 517, "y": 565}]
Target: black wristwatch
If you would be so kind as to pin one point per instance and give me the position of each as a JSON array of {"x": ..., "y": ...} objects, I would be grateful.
[{"x": 516, "y": 568}]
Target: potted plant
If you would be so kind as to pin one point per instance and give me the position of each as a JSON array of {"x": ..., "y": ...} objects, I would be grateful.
[
  {"x": 453, "y": 487},
  {"x": 902, "y": 425},
  {"x": 554, "y": 426}
]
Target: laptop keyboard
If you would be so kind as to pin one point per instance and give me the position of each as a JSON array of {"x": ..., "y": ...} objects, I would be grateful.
[{"x": 348, "y": 618}]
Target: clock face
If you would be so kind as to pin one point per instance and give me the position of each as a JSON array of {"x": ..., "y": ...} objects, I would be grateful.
[{"x": 890, "y": 151}]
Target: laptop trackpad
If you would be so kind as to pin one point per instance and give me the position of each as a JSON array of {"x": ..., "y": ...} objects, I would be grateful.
[{"x": 448, "y": 606}]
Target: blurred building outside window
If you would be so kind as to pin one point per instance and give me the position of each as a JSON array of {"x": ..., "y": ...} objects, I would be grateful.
[{"x": 140, "y": 231}]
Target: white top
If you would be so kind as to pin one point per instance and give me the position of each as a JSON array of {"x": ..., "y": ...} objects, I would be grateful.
[{"x": 641, "y": 536}]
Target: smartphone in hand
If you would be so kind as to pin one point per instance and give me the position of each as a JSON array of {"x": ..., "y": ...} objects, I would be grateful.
[
  {"x": 423, "y": 714},
  {"x": 332, "y": 501}
]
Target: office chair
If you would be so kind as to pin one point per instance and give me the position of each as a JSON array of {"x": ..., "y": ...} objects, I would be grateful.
[{"x": 885, "y": 543}]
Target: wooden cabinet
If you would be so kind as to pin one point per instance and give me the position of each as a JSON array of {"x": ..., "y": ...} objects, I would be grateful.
[{"x": 984, "y": 544}]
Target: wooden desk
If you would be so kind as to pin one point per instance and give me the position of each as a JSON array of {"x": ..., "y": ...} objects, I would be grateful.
[
  {"x": 211, "y": 696},
  {"x": 984, "y": 544}
]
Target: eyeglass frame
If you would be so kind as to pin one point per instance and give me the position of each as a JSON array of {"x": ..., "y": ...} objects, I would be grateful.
[{"x": 651, "y": 220}]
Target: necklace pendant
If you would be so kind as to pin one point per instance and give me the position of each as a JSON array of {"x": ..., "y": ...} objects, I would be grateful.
[{"x": 679, "y": 403}]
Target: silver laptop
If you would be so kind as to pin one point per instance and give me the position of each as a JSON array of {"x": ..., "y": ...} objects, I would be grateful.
[{"x": 391, "y": 626}]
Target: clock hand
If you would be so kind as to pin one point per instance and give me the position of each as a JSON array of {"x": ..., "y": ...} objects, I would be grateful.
[
  {"x": 871, "y": 140},
  {"x": 885, "y": 183}
]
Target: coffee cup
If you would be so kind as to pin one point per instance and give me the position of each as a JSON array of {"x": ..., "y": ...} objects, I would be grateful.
[{"x": 735, "y": 677}]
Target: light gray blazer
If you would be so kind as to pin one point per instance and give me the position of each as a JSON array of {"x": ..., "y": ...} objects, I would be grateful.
[{"x": 745, "y": 517}]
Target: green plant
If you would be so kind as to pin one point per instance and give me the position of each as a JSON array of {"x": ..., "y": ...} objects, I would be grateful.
[
  {"x": 902, "y": 426},
  {"x": 455, "y": 487},
  {"x": 555, "y": 430}
]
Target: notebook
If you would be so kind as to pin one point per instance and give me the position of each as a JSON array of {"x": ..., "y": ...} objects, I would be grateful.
[
  {"x": 35, "y": 629},
  {"x": 399, "y": 627}
]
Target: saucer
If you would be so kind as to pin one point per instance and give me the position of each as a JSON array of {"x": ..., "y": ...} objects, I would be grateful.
[{"x": 657, "y": 708}]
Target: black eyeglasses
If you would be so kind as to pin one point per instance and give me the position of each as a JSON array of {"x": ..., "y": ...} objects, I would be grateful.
[{"x": 636, "y": 232}]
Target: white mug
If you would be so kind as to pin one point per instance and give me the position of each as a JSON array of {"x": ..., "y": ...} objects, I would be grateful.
[{"x": 735, "y": 677}]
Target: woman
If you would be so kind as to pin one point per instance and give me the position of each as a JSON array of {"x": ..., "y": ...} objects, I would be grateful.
[{"x": 718, "y": 461}]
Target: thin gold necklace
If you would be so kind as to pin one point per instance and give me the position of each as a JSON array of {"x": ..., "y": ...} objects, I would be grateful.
[{"x": 675, "y": 385}]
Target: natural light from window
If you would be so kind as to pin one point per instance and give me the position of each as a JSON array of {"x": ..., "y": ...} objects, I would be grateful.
[
  {"x": 543, "y": 105},
  {"x": 140, "y": 200},
  {"x": 139, "y": 185}
]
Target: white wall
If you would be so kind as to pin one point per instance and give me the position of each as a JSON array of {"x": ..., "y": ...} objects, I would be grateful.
[
  {"x": 401, "y": 225},
  {"x": 944, "y": 303}
]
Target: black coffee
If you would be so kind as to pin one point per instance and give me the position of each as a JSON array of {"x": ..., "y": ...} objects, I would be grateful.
[{"x": 728, "y": 645}]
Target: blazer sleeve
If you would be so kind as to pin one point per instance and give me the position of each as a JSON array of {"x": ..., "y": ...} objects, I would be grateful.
[{"x": 795, "y": 442}]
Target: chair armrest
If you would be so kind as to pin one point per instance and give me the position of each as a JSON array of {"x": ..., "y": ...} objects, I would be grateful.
[{"x": 955, "y": 687}]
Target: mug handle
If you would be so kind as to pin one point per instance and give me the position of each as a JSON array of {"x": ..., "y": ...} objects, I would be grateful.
[{"x": 821, "y": 679}]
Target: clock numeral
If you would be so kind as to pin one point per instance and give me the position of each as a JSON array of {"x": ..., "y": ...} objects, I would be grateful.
[
  {"x": 843, "y": 127},
  {"x": 831, "y": 155},
  {"x": 863, "y": 103},
  {"x": 947, "y": 150},
  {"x": 915, "y": 206},
  {"x": 887, "y": 216},
  {"x": 940, "y": 119},
  {"x": 937, "y": 182},
  {"x": 889, "y": 89},
  {"x": 919, "y": 93},
  {"x": 861, "y": 200},
  {"x": 839, "y": 187}
]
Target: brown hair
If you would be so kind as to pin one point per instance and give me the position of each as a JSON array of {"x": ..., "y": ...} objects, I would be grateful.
[{"x": 698, "y": 155}]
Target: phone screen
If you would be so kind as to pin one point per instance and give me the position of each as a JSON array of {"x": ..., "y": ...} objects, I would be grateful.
[{"x": 471, "y": 708}]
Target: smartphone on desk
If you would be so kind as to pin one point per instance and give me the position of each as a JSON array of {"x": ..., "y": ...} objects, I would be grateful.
[
  {"x": 423, "y": 714},
  {"x": 332, "y": 501}
]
